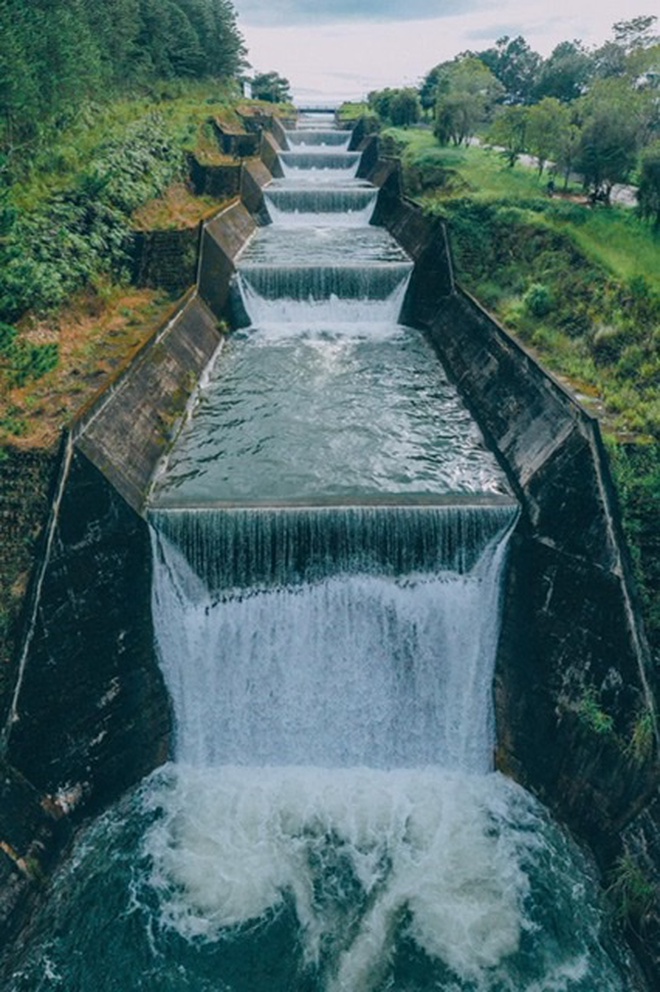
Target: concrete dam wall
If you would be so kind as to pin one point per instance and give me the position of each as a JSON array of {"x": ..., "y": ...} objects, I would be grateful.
[{"x": 90, "y": 715}]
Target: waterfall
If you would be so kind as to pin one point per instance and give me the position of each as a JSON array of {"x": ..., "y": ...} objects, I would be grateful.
[
  {"x": 342, "y": 206},
  {"x": 355, "y": 668},
  {"x": 329, "y": 295},
  {"x": 318, "y": 139},
  {"x": 249, "y": 548},
  {"x": 343, "y": 164}
]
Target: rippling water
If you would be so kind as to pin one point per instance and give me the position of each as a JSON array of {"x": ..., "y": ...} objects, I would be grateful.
[{"x": 327, "y": 415}]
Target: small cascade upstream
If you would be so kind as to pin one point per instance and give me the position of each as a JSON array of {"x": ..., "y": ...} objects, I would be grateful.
[
  {"x": 318, "y": 159},
  {"x": 330, "y": 538}
]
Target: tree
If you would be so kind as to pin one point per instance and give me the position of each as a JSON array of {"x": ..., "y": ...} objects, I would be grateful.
[
  {"x": 405, "y": 108},
  {"x": 398, "y": 107},
  {"x": 545, "y": 128},
  {"x": 428, "y": 91},
  {"x": 635, "y": 50},
  {"x": 648, "y": 193},
  {"x": 565, "y": 73},
  {"x": 272, "y": 87},
  {"x": 636, "y": 33},
  {"x": 509, "y": 130},
  {"x": 610, "y": 135},
  {"x": 568, "y": 150},
  {"x": 466, "y": 93},
  {"x": 515, "y": 65}
]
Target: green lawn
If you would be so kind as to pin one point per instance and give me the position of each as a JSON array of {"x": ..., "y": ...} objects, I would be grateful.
[{"x": 614, "y": 237}]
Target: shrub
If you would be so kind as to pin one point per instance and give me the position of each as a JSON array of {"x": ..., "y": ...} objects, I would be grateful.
[
  {"x": 538, "y": 300},
  {"x": 52, "y": 251}
]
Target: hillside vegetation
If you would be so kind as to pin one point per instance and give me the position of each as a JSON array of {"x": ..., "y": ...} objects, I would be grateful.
[{"x": 579, "y": 285}]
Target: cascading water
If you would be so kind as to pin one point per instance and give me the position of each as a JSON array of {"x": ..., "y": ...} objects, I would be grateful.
[{"x": 329, "y": 538}]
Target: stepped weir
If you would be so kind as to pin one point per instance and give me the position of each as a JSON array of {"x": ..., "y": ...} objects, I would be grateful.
[{"x": 330, "y": 538}]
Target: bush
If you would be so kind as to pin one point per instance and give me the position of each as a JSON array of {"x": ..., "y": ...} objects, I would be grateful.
[
  {"x": 51, "y": 252},
  {"x": 27, "y": 361},
  {"x": 538, "y": 300}
]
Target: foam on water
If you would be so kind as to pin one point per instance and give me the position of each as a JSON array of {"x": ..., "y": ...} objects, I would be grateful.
[
  {"x": 370, "y": 860},
  {"x": 318, "y": 138},
  {"x": 356, "y": 215},
  {"x": 339, "y": 165},
  {"x": 234, "y": 841}
]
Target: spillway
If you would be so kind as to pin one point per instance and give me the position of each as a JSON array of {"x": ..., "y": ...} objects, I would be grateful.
[{"x": 330, "y": 537}]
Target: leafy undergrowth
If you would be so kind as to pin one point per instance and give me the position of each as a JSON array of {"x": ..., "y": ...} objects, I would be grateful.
[{"x": 67, "y": 227}]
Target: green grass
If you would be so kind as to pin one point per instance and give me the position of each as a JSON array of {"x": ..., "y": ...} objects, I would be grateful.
[
  {"x": 613, "y": 237},
  {"x": 349, "y": 112},
  {"x": 184, "y": 106},
  {"x": 620, "y": 241}
]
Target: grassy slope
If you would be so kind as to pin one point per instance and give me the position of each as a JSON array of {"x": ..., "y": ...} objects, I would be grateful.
[{"x": 580, "y": 287}]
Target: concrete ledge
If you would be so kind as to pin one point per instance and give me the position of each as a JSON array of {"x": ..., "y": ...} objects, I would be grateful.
[
  {"x": 126, "y": 431},
  {"x": 255, "y": 176},
  {"x": 269, "y": 154},
  {"x": 222, "y": 240}
]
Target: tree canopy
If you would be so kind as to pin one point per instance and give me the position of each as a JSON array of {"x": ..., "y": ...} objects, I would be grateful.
[
  {"x": 272, "y": 87},
  {"x": 55, "y": 54}
]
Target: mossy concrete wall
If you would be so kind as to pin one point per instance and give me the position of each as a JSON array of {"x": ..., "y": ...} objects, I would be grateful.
[
  {"x": 166, "y": 259},
  {"x": 222, "y": 240}
]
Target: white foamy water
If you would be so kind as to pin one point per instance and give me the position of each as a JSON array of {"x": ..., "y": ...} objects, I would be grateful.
[
  {"x": 323, "y": 309},
  {"x": 456, "y": 868},
  {"x": 351, "y": 670},
  {"x": 233, "y": 843}
]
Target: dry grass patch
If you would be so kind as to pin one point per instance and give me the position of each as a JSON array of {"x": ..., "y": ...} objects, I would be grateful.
[
  {"x": 178, "y": 208},
  {"x": 96, "y": 336}
]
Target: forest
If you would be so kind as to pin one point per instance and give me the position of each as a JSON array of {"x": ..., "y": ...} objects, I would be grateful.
[{"x": 57, "y": 55}]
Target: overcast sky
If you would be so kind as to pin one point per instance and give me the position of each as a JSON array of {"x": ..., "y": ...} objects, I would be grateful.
[{"x": 341, "y": 49}]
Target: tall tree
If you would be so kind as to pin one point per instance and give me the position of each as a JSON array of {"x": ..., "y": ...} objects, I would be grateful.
[
  {"x": 466, "y": 93},
  {"x": 272, "y": 87},
  {"x": 509, "y": 131},
  {"x": 515, "y": 64},
  {"x": 547, "y": 124},
  {"x": 610, "y": 135},
  {"x": 648, "y": 194},
  {"x": 565, "y": 73}
]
